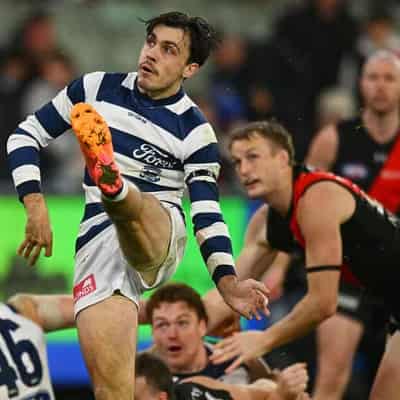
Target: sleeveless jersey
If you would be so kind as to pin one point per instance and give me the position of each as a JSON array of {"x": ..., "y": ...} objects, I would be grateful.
[
  {"x": 24, "y": 374},
  {"x": 370, "y": 165},
  {"x": 370, "y": 237}
]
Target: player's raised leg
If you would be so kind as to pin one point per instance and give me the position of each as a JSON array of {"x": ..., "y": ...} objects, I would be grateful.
[{"x": 143, "y": 224}]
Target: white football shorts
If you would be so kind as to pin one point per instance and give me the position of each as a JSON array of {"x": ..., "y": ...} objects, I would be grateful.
[{"x": 101, "y": 268}]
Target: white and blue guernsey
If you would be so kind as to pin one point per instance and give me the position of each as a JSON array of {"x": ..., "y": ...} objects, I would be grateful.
[{"x": 160, "y": 145}]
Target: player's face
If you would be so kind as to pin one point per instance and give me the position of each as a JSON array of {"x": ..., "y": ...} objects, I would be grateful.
[
  {"x": 163, "y": 62},
  {"x": 143, "y": 391},
  {"x": 257, "y": 165},
  {"x": 380, "y": 86},
  {"x": 178, "y": 335}
]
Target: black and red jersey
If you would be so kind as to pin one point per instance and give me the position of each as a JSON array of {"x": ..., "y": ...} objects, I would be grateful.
[
  {"x": 370, "y": 237},
  {"x": 373, "y": 166}
]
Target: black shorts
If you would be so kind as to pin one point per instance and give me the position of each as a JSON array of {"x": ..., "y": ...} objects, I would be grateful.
[
  {"x": 394, "y": 325},
  {"x": 362, "y": 306}
]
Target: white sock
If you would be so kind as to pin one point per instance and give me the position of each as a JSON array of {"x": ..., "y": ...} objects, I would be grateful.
[{"x": 123, "y": 193}]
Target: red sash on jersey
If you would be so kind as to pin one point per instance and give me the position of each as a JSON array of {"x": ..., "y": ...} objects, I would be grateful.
[{"x": 386, "y": 186}]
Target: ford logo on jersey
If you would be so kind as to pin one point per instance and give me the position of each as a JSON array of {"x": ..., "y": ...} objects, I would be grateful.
[
  {"x": 150, "y": 173},
  {"x": 151, "y": 155}
]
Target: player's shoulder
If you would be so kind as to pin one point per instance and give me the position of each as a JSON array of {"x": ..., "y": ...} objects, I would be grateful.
[
  {"x": 188, "y": 111},
  {"x": 100, "y": 74},
  {"x": 327, "y": 196},
  {"x": 193, "y": 122},
  {"x": 327, "y": 136},
  {"x": 96, "y": 77}
]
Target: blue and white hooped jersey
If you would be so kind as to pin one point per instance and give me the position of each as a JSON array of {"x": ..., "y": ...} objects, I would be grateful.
[
  {"x": 160, "y": 145},
  {"x": 24, "y": 372}
]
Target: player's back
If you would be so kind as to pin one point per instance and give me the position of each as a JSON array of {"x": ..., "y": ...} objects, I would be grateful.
[{"x": 24, "y": 373}]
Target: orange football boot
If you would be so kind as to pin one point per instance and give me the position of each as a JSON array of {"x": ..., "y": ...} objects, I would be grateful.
[{"x": 94, "y": 137}]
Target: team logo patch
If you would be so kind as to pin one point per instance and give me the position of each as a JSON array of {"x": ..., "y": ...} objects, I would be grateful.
[
  {"x": 354, "y": 171},
  {"x": 150, "y": 173},
  {"x": 84, "y": 287}
]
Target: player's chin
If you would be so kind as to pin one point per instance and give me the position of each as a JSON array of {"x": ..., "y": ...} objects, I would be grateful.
[
  {"x": 145, "y": 82},
  {"x": 383, "y": 107},
  {"x": 254, "y": 192},
  {"x": 176, "y": 364}
]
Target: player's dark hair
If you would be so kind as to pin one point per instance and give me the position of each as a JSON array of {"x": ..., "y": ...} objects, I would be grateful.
[
  {"x": 156, "y": 372},
  {"x": 270, "y": 130},
  {"x": 174, "y": 292},
  {"x": 203, "y": 37}
]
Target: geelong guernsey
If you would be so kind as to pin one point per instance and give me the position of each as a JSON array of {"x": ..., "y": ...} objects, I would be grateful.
[
  {"x": 24, "y": 372},
  {"x": 160, "y": 145}
]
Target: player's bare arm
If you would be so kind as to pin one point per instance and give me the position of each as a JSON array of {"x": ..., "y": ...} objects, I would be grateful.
[
  {"x": 38, "y": 234},
  {"x": 254, "y": 259},
  {"x": 51, "y": 312},
  {"x": 274, "y": 276},
  {"x": 320, "y": 226},
  {"x": 257, "y": 255},
  {"x": 323, "y": 148}
]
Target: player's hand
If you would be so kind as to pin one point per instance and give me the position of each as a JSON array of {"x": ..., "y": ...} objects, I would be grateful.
[
  {"x": 292, "y": 382},
  {"x": 243, "y": 345},
  {"x": 38, "y": 234},
  {"x": 248, "y": 297}
]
